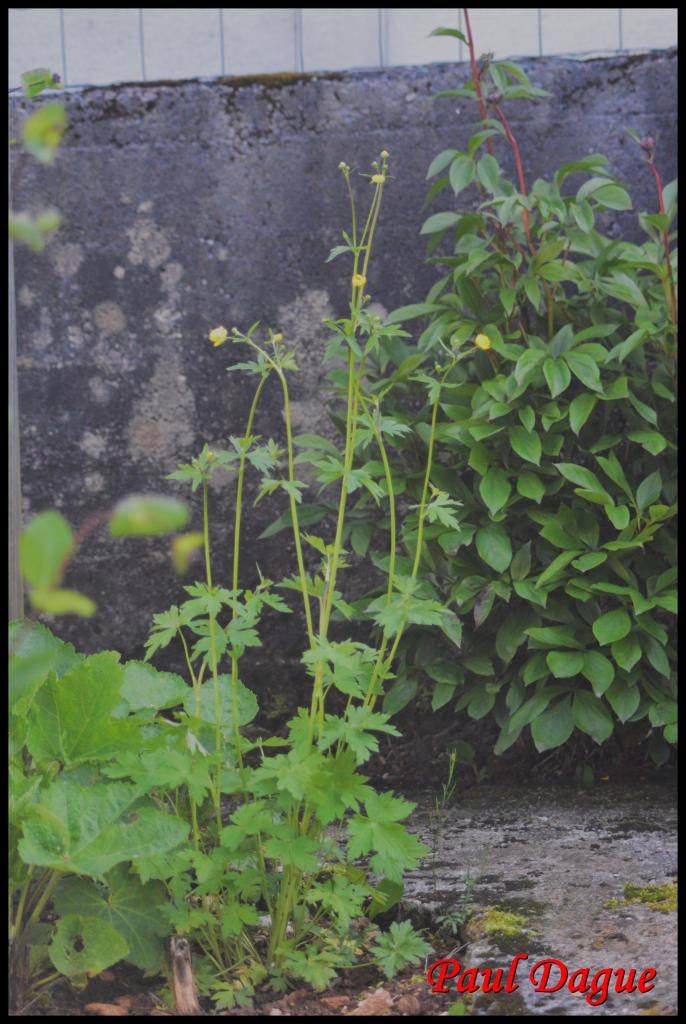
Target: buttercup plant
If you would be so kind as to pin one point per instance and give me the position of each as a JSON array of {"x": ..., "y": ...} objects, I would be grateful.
[{"x": 286, "y": 834}]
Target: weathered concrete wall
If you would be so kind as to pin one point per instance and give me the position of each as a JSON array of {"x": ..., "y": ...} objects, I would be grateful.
[{"x": 188, "y": 205}]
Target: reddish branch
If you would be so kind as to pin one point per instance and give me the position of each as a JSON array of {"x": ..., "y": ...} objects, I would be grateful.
[
  {"x": 476, "y": 78},
  {"x": 665, "y": 243},
  {"x": 520, "y": 172}
]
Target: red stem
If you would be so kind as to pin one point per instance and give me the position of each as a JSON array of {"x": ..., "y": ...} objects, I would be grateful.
[
  {"x": 520, "y": 172},
  {"x": 476, "y": 78},
  {"x": 665, "y": 243}
]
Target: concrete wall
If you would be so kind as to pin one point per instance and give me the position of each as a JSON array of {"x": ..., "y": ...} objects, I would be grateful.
[{"x": 188, "y": 205}]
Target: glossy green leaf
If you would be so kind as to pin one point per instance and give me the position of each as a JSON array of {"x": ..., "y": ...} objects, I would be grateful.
[
  {"x": 495, "y": 489},
  {"x": 580, "y": 408},
  {"x": 530, "y": 486},
  {"x": 591, "y": 716},
  {"x": 611, "y": 626},
  {"x": 599, "y": 671},
  {"x": 557, "y": 375},
  {"x": 527, "y": 444},
  {"x": 494, "y": 547},
  {"x": 565, "y": 664},
  {"x": 554, "y": 725}
]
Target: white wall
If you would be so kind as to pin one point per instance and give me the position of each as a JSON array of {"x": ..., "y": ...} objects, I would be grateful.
[{"x": 96, "y": 46}]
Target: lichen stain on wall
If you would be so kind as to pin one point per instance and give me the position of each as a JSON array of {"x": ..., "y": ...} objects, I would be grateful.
[
  {"x": 161, "y": 427},
  {"x": 149, "y": 245}
]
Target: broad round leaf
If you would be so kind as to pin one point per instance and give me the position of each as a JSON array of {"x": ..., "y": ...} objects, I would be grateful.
[{"x": 611, "y": 626}]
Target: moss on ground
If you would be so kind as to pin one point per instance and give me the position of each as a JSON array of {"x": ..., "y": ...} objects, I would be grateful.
[{"x": 657, "y": 897}]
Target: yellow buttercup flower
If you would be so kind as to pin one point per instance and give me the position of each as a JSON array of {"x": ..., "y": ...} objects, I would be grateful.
[
  {"x": 359, "y": 280},
  {"x": 378, "y": 179},
  {"x": 483, "y": 342},
  {"x": 218, "y": 336}
]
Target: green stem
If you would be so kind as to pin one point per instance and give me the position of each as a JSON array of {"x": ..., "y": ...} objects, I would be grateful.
[
  {"x": 46, "y": 896},
  {"x": 213, "y": 665},
  {"x": 234, "y": 583},
  {"x": 370, "y": 697},
  {"x": 393, "y": 542},
  {"x": 194, "y": 680},
  {"x": 15, "y": 928},
  {"x": 291, "y": 476}
]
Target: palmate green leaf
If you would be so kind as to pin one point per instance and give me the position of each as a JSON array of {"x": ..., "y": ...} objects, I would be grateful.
[
  {"x": 34, "y": 651},
  {"x": 395, "y": 850},
  {"x": 293, "y": 851},
  {"x": 340, "y": 896},
  {"x": 89, "y": 829},
  {"x": 83, "y": 946},
  {"x": 400, "y": 945},
  {"x": 72, "y": 718},
  {"x": 144, "y": 687},
  {"x": 122, "y": 903},
  {"x": 168, "y": 765},
  {"x": 246, "y": 700},
  {"x": 356, "y": 731}
]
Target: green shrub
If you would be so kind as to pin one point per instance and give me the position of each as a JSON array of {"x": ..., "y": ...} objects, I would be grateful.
[{"x": 556, "y": 435}]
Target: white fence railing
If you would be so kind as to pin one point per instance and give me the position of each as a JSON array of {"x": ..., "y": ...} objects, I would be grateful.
[{"x": 100, "y": 46}]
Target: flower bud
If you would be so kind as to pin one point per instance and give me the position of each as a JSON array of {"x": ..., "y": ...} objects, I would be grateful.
[
  {"x": 648, "y": 143},
  {"x": 359, "y": 280},
  {"x": 277, "y": 339},
  {"x": 384, "y": 154},
  {"x": 218, "y": 336},
  {"x": 483, "y": 342}
]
